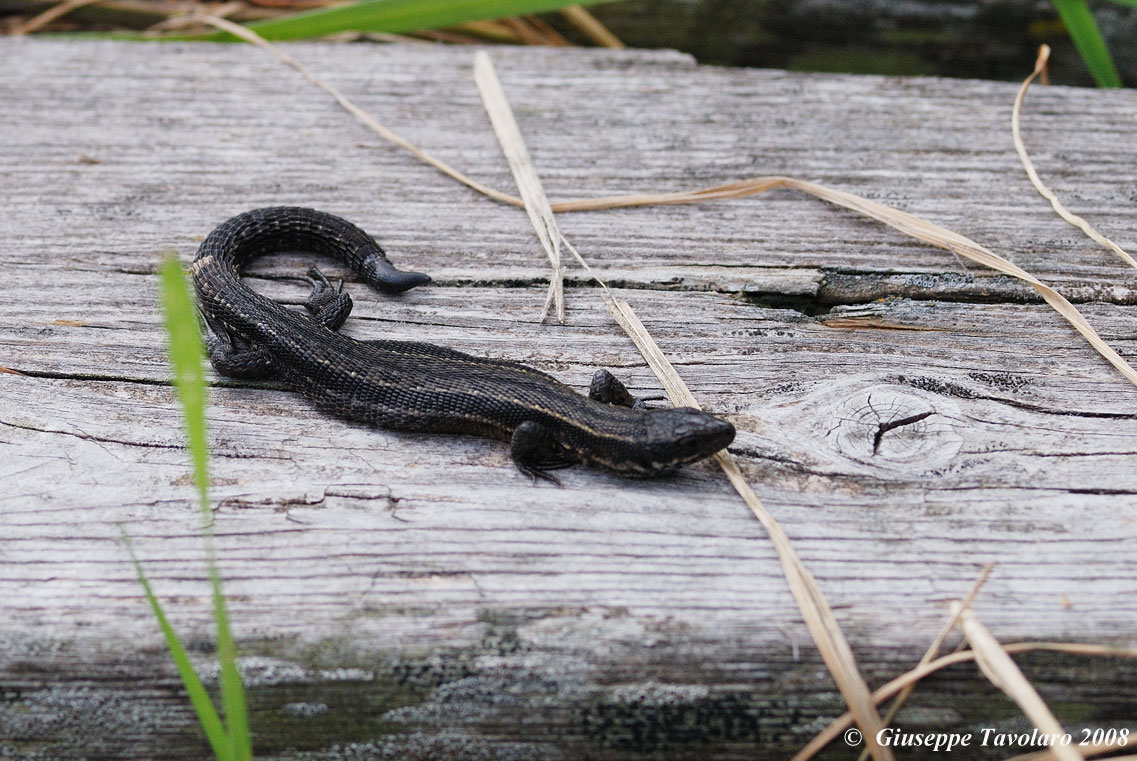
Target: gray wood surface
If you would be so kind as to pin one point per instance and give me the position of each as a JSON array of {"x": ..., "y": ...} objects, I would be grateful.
[{"x": 414, "y": 595}]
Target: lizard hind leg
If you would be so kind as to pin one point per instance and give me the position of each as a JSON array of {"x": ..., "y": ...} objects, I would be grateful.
[
  {"x": 234, "y": 358},
  {"x": 327, "y": 304},
  {"x": 607, "y": 388}
]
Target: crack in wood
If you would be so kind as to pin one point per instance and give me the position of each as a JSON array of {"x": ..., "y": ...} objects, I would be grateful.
[
  {"x": 90, "y": 437},
  {"x": 893, "y": 424},
  {"x": 141, "y": 380}
]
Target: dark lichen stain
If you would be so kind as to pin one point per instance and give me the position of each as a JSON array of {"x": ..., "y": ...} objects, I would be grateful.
[
  {"x": 648, "y": 721},
  {"x": 937, "y": 386},
  {"x": 433, "y": 671},
  {"x": 1002, "y": 381},
  {"x": 354, "y": 712},
  {"x": 309, "y": 715}
]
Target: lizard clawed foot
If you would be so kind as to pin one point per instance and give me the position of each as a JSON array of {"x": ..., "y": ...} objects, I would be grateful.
[{"x": 329, "y": 305}]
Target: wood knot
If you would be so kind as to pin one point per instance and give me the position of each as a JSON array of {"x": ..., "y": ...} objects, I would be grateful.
[{"x": 890, "y": 426}]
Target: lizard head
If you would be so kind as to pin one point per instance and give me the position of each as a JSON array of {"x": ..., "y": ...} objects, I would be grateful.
[{"x": 675, "y": 437}]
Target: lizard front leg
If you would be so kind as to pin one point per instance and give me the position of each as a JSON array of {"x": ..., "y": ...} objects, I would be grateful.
[
  {"x": 535, "y": 452},
  {"x": 607, "y": 388}
]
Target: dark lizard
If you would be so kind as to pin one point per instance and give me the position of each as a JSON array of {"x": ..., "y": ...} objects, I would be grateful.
[{"x": 418, "y": 386}]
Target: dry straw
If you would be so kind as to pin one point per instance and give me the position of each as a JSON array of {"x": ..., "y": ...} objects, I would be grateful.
[
  {"x": 845, "y": 720},
  {"x": 45, "y": 18},
  {"x": 593, "y": 29},
  {"x": 903, "y": 685},
  {"x": 1028, "y": 165},
  {"x": 1002, "y": 672},
  {"x": 933, "y": 648},
  {"x": 528, "y": 183}
]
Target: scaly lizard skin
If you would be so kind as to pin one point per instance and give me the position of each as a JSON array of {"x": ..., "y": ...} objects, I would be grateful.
[{"x": 418, "y": 386}]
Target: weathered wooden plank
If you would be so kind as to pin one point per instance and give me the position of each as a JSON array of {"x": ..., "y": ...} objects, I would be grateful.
[
  {"x": 421, "y": 577},
  {"x": 945, "y": 154}
]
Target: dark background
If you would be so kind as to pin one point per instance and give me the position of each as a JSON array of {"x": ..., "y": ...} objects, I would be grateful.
[{"x": 996, "y": 39}]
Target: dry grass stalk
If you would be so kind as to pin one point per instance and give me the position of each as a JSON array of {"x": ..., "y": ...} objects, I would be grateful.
[
  {"x": 815, "y": 609},
  {"x": 934, "y": 648},
  {"x": 550, "y": 36},
  {"x": 51, "y": 14},
  {"x": 816, "y": 613},
  {"x": 845, "y": 720},
  {"x": 1028, "y": 165},
  {"x": 252, "y": 37},
  {"x": 524, "y": 31},
  {"x": 447, "y": 36},
  {"x": 1002, "y": 672},
  {"x": 525, "y": 174},
  {"x": 490, "y": 29},
  {"x": 588, "y": 25},
  {"x": 906, "y": 223},
  {"x": 915, "y": 227}
]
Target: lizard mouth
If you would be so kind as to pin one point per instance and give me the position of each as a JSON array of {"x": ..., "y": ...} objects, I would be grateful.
[
  {"x": 704, "y": 435},
  {"x": 717, "y": 434}
]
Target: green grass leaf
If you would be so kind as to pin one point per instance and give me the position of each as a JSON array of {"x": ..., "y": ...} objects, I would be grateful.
[
  {"x": 199, "y": 698},
  {"x": 1079, "y": 22},
  {"x": 232, "y": 690},
  {"x": 394, "y": 16},
  {"x": 186, "y": 353}
]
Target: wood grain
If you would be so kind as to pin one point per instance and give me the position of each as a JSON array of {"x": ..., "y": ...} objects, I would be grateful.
[{"x": 414, "y": 595}]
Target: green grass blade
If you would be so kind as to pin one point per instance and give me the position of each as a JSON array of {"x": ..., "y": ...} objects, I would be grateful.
[
  {"x": 1079, "y": 22},
  {"x": 1130, "y": 3},
  {"x": 186, "y": 354},
  {"x": 232, "y": 690},
  {"x": 395, "y": 16},
  {"x": 199, "y": 698}
]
